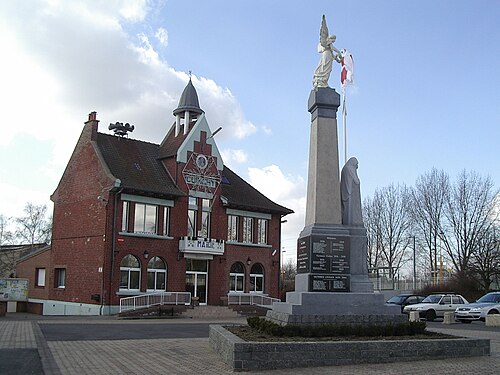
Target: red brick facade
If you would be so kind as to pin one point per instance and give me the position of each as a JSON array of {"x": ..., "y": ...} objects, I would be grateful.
[{"x": 88, "y": 242}]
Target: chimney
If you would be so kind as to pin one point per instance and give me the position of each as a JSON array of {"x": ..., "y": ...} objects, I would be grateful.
[{"x": 92, "y": 123}]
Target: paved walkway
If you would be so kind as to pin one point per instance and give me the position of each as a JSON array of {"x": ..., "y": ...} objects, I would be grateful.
[{"x": 25, "y": 340}]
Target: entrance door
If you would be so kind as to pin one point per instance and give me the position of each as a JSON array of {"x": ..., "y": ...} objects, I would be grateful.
[{"x": 197, "y": 279}]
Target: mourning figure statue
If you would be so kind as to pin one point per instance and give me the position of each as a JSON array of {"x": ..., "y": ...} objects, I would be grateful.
[{"x": 350, "y": 194}]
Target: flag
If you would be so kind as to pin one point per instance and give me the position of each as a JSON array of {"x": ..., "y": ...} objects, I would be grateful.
[{"x": 347, "y": 71}]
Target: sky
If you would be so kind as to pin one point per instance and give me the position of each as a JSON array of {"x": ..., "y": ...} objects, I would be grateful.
[{"x": 426, "y": 92}]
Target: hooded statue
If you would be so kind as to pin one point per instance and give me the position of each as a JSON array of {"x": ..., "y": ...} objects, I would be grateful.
[{"x": 350, "y": 194}]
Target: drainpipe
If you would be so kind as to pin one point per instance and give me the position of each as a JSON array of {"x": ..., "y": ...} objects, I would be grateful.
[{"x": 113, "y": 238}]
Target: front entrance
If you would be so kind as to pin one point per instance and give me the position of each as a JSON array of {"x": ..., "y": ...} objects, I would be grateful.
[{"x": 197, "y": 279}]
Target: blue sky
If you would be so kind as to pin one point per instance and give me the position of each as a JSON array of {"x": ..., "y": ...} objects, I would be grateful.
[{"x": 426, "y": 88}]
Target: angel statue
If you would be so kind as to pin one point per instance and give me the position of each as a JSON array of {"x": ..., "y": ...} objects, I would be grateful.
[{"x": 326, "y": 48}]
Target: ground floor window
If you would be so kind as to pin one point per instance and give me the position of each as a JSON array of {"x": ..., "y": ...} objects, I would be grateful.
[
  {"x": 60, "y": 277},
  {"x": 257, "y": 278},
  {"x": 157, "y": 274},
  {"x": 40, "y": 277},
  {"x": 130, "y": 273},
  {"x": 237, "y": 278}
]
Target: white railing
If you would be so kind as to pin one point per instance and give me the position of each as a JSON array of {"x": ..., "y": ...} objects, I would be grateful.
[
  {"x": 152, "y": 299},
  {"x": 251, "y": 299}
]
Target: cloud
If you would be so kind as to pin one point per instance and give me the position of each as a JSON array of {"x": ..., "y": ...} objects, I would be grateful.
[
  {"x": 74, "y": 57},
  {"x": 267, "y": 130},
  {"x": 231, "y": 156},
  {"x": 289, "y": 191},
  {"x": 162, "y": 36}
]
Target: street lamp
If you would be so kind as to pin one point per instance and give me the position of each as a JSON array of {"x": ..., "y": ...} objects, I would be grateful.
[
  {"x": 414, "y": 265},
  {"x": 282, "y": 272}
]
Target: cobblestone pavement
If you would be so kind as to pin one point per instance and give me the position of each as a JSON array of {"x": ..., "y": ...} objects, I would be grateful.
[{"x": 194, "y": 355}]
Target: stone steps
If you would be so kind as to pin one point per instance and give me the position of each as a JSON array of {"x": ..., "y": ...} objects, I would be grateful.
[{"x": 210, "y": 312}]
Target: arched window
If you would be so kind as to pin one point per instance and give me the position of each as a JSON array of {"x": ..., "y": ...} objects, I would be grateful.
[
  {"x": 257, "y": 278},
  {"x": 130, "y": 273},
  {"x": 157, "y": 274},
  {"x": 237, "y": 277}
]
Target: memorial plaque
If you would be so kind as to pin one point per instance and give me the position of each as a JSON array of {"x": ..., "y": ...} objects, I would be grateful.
[
  {"x": 303, "y": 258},
  {"x": 329, "y": 283},
  {"x": 323, "y": 254}
]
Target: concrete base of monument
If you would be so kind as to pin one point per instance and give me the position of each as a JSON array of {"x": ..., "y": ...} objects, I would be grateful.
[
  {"x": 334, "y": 308},
  {"x": 243, "y": 355}
]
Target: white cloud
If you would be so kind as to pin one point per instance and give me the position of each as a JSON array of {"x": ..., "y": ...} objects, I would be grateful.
[
  {"x": 162, "y": 36},
  {"x": 267, "y": 130},
  {"x": 289, "y": 191},
  {"x": 75, "y": 57},
  {"x": 234, "y": 156}
]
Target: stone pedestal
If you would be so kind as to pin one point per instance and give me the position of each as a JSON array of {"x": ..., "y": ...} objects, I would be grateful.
[{"x": 332, "y": 284}]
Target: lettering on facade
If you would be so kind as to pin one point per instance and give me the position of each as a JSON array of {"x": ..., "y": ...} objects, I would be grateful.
[
  {"x": 202, "y": 245},
  {"x": 201, "y": 173}
]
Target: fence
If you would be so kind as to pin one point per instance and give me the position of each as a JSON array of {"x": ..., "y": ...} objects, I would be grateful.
[
  {"x": 153, "y": 299},
  {"x": 251, "y": 299}
]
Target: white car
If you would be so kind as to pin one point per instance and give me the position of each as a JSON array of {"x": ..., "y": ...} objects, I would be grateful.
[
  {"x": 435, "y": 305},
  {"x": 487, "y": 304}
]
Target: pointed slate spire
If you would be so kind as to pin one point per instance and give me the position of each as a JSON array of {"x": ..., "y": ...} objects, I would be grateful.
[
  {"x": 189, "y": 100},
  {"x": 188, "y": 108}
]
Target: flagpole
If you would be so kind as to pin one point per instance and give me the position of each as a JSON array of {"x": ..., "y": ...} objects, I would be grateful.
[{"x": 344, "y": 113}]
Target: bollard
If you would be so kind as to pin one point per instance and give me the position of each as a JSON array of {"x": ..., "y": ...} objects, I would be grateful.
[
  {"x": 414, "y": 316},
  {"x": 493, "y": 320},
  {"x": 449, "y": 317}
]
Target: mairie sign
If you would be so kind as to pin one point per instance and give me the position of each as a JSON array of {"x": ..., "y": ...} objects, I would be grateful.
[{"x": 201, "y": 246}]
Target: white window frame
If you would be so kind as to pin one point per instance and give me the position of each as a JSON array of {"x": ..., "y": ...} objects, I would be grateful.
[
  {"x": 129, "y": 271},
  {"x": 140, "y": 226},
  {"x": 40, "y": 276},
  {"x": 232, "y": 228},
  {"x": 237, "y": 276},
  {"x": 60, "y": 278},
  {"x": 247, "y": 229},
  {"x": 253, "y": 280},
  {"x": 156, "y": 271},
  {"x": 262, "y": 231}
]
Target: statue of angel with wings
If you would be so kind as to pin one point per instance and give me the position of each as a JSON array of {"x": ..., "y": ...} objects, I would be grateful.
[{"x": 327, "y": 50}]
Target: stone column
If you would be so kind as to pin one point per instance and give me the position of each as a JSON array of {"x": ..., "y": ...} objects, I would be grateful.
[{"x": 323, "y": 183}]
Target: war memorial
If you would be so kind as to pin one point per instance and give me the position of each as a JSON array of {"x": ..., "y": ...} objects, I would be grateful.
[{"x": 332, "y": 284}]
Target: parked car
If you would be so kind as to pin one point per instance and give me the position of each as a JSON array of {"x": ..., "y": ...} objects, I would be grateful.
[
  {"x": 435, "y": 305},
  {"x": 405, "y": 299},
  {"x": 487, "y": 304}
]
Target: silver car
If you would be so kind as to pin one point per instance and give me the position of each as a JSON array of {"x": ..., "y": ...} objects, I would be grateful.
[
  {"x": 487, "y": 304},
  {"x": 435, "y": 305}
]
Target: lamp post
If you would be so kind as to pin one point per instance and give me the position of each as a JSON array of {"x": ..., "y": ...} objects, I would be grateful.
[
  {"x": 414, "y": 264},
  {"x": 282, "y": 273}
]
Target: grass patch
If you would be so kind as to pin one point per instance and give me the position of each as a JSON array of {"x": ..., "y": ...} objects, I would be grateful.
[{"x": 260, "y": 329}]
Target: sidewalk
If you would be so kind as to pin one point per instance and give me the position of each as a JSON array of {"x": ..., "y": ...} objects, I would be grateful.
[{"x": 183, "y": 355}]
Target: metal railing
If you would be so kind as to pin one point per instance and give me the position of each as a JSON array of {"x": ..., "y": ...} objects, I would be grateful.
[
  {"x": 152, "y": 299},
  {"x": 262, "y": 300}
]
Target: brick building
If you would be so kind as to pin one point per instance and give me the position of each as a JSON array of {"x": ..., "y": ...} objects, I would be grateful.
[{"x": 132, "y": 217}]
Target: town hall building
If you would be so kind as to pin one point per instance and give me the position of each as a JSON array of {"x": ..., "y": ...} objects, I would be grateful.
[{"x": 133, "y": 218}]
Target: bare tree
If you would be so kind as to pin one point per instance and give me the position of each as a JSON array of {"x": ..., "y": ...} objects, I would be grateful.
[
  {"x": 6, "y": 235},
  {"x": 428, "y": 202},
  {"x": 288, "y": 272},
  {"x": 7, "y": 258},
  {"x": 469, "y": 212},
  {"x": 485, "y": 262},
  {"x": 34, "y": 227},
  {"x": 389, "y": 223},
  {"x": 371, "y": 217}
]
